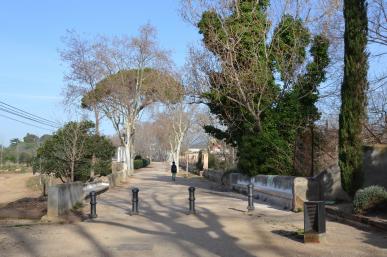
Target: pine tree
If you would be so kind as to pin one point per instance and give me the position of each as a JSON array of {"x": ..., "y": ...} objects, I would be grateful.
[{"x": 353, "y": 94}]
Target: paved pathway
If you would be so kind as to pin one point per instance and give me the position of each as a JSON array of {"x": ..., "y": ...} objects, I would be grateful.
[{"x": 220, "y": 228}]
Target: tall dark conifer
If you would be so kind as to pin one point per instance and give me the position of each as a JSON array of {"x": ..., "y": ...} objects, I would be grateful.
[{"x": 353, "y": 94}]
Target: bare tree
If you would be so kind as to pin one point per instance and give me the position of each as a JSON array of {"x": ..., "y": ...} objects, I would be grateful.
[
  {"x": 180, "y": 126},
  {"x": 83, "y": 75},
  {"x": 180, "y": 119},
  {"x": 73, "y": 146},
  {"x": 84, "y": 72}
]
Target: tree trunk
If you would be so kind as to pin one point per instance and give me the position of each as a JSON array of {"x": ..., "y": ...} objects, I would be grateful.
[
  {"x": 72, "y": 172},
  {"x": 93, "y": 162},
  {"x": 129, "y": 149},
  {"x": 96, "y": 116},
  {"x": 93, "y": 158},
  {"x": 177, "y": 156}
]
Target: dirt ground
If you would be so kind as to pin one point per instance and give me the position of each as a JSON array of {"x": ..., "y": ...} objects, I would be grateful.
[
  {"x": 17, "y": 200},
  {"x": 13, "y": 187},
  {"x": 221, "y": 226}
]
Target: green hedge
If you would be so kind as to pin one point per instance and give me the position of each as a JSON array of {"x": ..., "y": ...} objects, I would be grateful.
[
  {"x": 138, "y": 164},
  {"x": 372, "y": 197}
]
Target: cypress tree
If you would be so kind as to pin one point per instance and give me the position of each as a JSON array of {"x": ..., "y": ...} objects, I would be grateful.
[{"x": 353, "y": 94}]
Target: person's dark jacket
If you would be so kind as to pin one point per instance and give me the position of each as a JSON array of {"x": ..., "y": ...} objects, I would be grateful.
[{"x": 173, "y": 168}]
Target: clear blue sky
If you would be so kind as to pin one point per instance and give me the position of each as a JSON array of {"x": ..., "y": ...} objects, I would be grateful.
[{"x": 31, "y": 73}]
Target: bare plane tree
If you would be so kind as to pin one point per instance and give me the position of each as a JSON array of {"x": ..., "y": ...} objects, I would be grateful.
[{"x": 84, "y": 72}]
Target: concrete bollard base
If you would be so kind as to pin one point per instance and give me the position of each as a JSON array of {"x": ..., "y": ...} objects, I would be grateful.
[{"x": 312, "y": 237}]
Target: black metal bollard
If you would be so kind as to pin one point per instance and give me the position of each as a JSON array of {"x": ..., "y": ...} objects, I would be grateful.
[
  {"x": 250, "y": 199},
  {"x": 93, "y": 205},
  {"x": 191, "y": 200},
  {"x": 135, "y": 201}
]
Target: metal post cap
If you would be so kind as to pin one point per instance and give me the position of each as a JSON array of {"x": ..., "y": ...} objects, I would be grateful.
[
  {"x": 135, "y": 190},
  {"x": 191, "y": 188}
]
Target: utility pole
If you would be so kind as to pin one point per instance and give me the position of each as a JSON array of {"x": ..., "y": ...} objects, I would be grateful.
[
  {"x": 17, "y": 154},
  {"x": 1, "y": 156}
]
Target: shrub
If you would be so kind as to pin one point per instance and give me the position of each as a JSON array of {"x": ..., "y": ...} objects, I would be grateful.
[
  {"x": 369, "y": 198},
  {"x": 145, "y": 162},
  {"x": 138, "y": 157},
  {"x": 138, "y": 164}
]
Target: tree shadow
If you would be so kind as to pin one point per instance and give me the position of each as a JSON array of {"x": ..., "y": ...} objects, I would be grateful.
[
  {"x": 210, "y": 187},
  {"x": 292, "y": 235},
  {"x": 169, "y": 213}
]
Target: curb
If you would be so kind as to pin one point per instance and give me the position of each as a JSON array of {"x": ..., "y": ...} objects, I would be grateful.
[{"x": 356, "y": 220}]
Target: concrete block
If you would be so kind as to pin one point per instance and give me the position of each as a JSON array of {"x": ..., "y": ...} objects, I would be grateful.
[{"x": 61, "y": 198}]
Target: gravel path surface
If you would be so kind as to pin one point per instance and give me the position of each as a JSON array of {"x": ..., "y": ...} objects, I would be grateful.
[{"x": 220, "y": 228}]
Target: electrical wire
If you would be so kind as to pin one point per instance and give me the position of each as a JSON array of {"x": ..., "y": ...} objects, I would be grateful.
[
  {"x": 26, "y": 123},
  {"x": 27, "y": 115}
]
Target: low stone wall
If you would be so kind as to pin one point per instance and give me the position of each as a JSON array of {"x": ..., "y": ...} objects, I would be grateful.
[
  {"x": 213, "y": 175},
  {"x": 284, "y": 191},
  {"x": 277, "y": 190},
  {"x": 62, "y": 197}
]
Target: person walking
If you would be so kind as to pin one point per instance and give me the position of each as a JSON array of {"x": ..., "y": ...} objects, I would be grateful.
[{"x": 173, "y": 171}]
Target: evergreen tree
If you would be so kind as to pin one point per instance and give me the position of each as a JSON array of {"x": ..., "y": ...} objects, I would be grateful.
[
  {"x": 68, "y": 154},
  {"x": 353, "y": 94},
  {"x": 261, "y": 111}
]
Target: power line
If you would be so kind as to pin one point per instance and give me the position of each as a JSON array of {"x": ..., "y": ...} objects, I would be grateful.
[
  {"x": 26, "y": 123},
  {"x": 18, "y": 112},
  {"x": 13, "y": 107},
  {"x": 27, "y": 115}
]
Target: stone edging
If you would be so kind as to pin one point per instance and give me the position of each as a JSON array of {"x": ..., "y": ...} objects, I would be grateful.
[{"x": 357, "y": 220}]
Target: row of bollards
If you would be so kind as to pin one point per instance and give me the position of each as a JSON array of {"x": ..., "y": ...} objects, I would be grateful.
[
  {"x": 93, "y": 202},
  {"x": 191, "y": 199}
]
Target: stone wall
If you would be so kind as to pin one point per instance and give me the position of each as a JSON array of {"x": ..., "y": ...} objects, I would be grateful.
[
  {"x": 214, "y": 175},
  {"x": 284, "y": 191},
  {"x": 375, "y": 165},
  {"x": 330, "y": 184},
  {"x": 374, "y": 171},
  {"x": 62, "y": 197}
]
